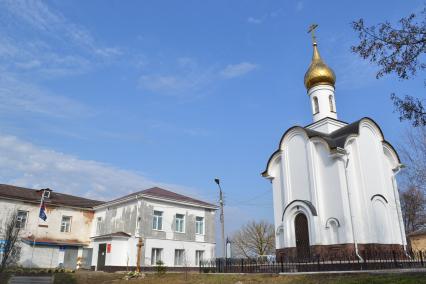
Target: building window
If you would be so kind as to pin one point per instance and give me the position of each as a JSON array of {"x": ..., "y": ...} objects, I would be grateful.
[
  {"x": 157, "y": 220},
  {"x": 199, "y": 225},
  {"x": 156, "y": 255},
  {"x": 316, "y": 105},
  {"x": 66, "y": 224},
  {"x": 21, "y": 219},
  {"x": 330, "y": 101},
  {"x": 179, "y": 256},
  {"x": 98, "y": 225},
  {"x": 180, "y": 223},
  {"x": 199, "y": 256}
]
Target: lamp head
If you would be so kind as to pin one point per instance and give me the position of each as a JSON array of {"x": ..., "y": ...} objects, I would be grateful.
[{"x": 217, "y": 181}]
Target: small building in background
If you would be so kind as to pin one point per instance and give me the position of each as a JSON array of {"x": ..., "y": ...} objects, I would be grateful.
[
  {"x": 141, "y": 228},
  {"x": 175, "y": 229},
  {"x": 56, "y": 242},
  {"x": 418, "y": 240}
]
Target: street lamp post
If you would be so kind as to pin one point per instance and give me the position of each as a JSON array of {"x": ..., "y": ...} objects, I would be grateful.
[{"x": 222, "y": 217}]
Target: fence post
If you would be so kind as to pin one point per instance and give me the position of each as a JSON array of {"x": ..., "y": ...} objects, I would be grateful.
[
  {"x": 394, "y": 259},
  {"x": 421, "y": 258},
  {"x": 282, "y": 264},
  {"x": 242, "y": 266},
  {"x": 365, "y": 264}
]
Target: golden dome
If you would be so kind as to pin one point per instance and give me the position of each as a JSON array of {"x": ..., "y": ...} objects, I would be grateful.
[{"x": 318, "y": 72}]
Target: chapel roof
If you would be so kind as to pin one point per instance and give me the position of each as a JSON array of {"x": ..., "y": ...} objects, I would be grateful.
[
  {"x": 338, "y": 137},
  {"x": 335, "y": 139},
  {"x": 57, "y": 199}
]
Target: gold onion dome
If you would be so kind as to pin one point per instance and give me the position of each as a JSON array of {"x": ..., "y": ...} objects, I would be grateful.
[{"x": 318, "y": 72}]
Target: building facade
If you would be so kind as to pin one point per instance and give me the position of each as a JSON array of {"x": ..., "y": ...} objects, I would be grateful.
[
  {"x": 334, "y": 186},
  {"x": 178, "y": 230},
  {"x": 61, "y": 239},
  {"x": 418, "y": 240},
  {"x": 137, "y": 229}
]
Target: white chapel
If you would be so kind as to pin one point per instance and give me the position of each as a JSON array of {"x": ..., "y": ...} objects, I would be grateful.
[{"x": 334, "y": 186}]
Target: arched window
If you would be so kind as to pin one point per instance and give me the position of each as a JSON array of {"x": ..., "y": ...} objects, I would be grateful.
[
  {"x": 381, "y": 220},
  {"x": 330, "y": 101},
  {"x": 334, "y": 235},
  {"x": 332, "y": 224},
  {"x": 316, "y": 106},
  {"x": 280, "y": 237}
]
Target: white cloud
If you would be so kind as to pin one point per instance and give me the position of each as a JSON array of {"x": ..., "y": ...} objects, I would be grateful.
[
  {"x": 174, "y": 84},
  {"x": 19, "y": 97},
  {"x": 27, "y": 165},
  {"x": 38, "y": 44},
  {"x": 189, "y": 78},
  {"x": 236, "y": 70},
  {"x": 38, "y": 15},
  {"x": 253, "y": 20},
  {"x": 39, "y": 58}
]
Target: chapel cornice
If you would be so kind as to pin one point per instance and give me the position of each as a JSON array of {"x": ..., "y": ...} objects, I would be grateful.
[{"x": 336, "y": 139}]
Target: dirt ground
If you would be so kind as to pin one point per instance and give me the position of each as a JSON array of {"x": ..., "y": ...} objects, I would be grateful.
[{"x": 178, "y": 278}]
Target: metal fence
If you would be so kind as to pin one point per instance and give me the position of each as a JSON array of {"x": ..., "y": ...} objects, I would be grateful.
[{"x": 369, "y": 261}]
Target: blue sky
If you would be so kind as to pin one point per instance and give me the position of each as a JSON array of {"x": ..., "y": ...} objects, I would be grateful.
[{"x": 101, "y": 98}]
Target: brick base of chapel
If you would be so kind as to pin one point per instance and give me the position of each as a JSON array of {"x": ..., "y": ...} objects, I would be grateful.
[{"x": 343, "y": 251}]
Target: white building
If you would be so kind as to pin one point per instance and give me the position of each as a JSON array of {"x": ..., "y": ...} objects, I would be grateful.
[
  {"x": 334, "y": 186},
  {"x": 59, "y": 240},
  {"x": 154, "y": 224},
  {"x": 176, "y": 229}
]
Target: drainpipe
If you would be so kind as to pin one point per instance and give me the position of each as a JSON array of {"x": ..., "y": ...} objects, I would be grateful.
[
  {"x": 396, "y": 170},
  {"x": 346, "y": 161},
  {"x": 137, "y": 217}
]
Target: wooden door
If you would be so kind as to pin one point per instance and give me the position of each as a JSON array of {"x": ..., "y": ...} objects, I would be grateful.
[
  {"x": 101, "y": 257},
  {"x": 302, "y": 236}
]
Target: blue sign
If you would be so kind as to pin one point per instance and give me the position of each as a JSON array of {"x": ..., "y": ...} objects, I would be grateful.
[{"x": 2, "y": 245}]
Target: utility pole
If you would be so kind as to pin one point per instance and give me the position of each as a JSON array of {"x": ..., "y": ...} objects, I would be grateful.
[
  {"x": 139, "y": 252},
  {"x": 222, "y": 217}
]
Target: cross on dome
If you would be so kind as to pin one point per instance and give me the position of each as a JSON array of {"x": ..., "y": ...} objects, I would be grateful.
[{"x": 318, "y": 72}]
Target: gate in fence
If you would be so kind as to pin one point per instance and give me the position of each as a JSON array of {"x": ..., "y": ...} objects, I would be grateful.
[{"x": 370, "y": 261}]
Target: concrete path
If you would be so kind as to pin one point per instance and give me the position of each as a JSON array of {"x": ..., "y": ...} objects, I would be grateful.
[{"x": 31, "y": 280}]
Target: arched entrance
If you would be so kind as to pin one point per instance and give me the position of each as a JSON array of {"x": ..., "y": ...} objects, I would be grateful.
[{"x": 302, "y": 236}]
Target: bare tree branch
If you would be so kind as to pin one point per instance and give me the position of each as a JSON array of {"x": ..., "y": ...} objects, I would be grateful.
[
  {"x": 398, "y": 49},
  {"x": 413, "y": 178},
  {"x": 254, "y": 239},
  {"x": 413, "y": 209},
  {"x": 9, "y": 232}
]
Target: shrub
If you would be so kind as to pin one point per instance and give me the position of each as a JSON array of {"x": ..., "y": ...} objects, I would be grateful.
[
  {"x": 133, "y": 274},
  {"x": 160, "y": 268}
]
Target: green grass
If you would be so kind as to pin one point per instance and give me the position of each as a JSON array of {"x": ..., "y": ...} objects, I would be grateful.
[
  {"x": 4, "y": 277},
  {"x": 65, "y": 278}
]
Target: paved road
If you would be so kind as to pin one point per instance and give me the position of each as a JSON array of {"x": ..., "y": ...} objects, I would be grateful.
[{"x": 31, "y": 280}]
